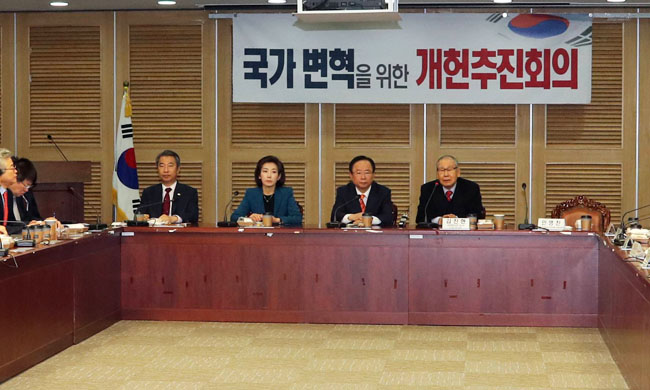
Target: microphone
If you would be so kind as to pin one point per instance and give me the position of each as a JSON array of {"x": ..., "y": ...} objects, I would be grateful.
[
  {"x": 428, "y": 224},
  {"x": 335, "y": 223},
  {"x": 49, "y": 136},
  {"x": 96, "y": 226},
  {"x": 526, "y": 225},
  {"x": 226, "y": 222}
]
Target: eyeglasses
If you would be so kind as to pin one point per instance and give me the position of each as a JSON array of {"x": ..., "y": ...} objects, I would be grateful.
[
  {"x": 27, "y": 187},
  {"x": 447, "y": 170}
]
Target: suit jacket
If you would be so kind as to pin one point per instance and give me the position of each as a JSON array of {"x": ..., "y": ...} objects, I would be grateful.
[
  {"x": 285, "y": 206},
  {"x": 466, "y": 200},
  {"x": 12, "y": 228},
  {"x": 185, "y": 202},
  {"x": 27, "y": 212},
  {"x": 379, "y": 203}
]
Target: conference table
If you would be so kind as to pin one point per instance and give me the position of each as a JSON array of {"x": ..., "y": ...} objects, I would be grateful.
[{"x": 62, "y": 294}]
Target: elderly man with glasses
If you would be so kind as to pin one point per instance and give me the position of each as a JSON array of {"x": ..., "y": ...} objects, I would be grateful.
[
  {"x": 449, "y": 195},
  {"x": 7, "y": 178}
]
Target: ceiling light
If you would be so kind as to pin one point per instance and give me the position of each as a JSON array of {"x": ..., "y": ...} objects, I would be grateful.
[
  {"x": 166, "y": 2},
  {"x": 58, "y": 4},
  {"x": 502, "y": 1},
  {"x": 616, "y": 1},
  {"x": 277, "y": 1}
]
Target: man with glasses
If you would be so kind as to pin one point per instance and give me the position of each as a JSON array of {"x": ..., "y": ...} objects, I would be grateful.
[
  {"x": 24, "y": 205},
  {"x": 363, "y": 195},
  {"x": 450, "y": 195},
  {"x": 7, "y": 178}
]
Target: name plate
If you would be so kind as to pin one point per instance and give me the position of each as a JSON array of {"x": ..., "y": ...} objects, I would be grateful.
[
  {"x": 455, "y": 224},
  {"x": 552, "y": 224}
]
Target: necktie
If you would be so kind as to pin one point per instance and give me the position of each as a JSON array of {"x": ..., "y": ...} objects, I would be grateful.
[
  {"x": 449, "y": 194},
  {"x": 362, "y": 203},
  {"x": 5, "y": 200},
  {"x": 166, "y": 201}
]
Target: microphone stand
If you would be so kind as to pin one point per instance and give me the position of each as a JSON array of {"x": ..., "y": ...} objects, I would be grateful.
[
  {"x": 526, "y": 225},
  {"x": 92, "y": 226},
  {"x": 335, "y": 223},
  {"x": 226, "y": 222},
  {"x": 427, "y": 224}
]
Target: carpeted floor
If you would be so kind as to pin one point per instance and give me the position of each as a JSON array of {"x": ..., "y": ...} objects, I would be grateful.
[{"x": 225, "y": 356}]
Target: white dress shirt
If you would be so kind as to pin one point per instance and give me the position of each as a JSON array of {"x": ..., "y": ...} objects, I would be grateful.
[{"x": 375, "y": 220}]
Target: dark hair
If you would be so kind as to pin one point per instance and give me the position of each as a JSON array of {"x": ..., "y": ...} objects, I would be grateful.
[
  {"x": 274, "y": 160},
  {"x": 169, "y": 153},
  {"x": 25, "y": 170},
  {"x": 359, "y": 158}
]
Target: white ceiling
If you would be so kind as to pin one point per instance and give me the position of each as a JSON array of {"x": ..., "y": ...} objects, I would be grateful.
[{"x": 84, "y": 5}]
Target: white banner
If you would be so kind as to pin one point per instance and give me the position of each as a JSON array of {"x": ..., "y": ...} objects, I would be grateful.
[{"x": 424, "y": 58}]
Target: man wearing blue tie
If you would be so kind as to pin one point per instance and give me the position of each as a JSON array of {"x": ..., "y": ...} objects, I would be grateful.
[{"x": 170, "y": 201}]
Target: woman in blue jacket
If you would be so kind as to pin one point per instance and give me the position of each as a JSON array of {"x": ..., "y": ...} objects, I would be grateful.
[{"x": 270, "y": 195}]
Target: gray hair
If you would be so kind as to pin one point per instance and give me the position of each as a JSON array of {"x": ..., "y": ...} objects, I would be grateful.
[
  {"x": 447, "y": 156},
  {"x": 4, "y": 154}
]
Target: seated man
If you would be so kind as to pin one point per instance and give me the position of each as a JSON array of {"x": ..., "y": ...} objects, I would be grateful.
[
  {"x": 24, "y": 204},
  {"x": 170, "y": 201},
  {"x": 7, "y": 178},
  {"x": 371, "y": 197},
  {"x": 450, "y": 195}
]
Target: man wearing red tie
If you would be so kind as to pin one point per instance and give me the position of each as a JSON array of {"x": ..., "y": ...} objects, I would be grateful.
[
  {"x": 450, "y": 195},
  {"x": 7, "y": 178},
  {"x": 363, "y": 195},
  {"x": 170, "y": 201}
]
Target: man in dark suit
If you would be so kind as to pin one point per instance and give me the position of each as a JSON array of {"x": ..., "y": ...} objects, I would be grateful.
[
  {"x": 450, "y": 195},
  {"x": 362, "y": 188},
  {"x": 24, "y": 204},
  {"x": 170, "y": 201},
  {"x": 7, "y": 178}
]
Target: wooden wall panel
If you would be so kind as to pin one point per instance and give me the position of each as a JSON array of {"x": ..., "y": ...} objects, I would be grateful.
[
  {"x": 498, "y": 187},
  {"x": 93, "y": 193},
  {"x": 598, "y": 124},
  {"x": 363, "y": 125},
  {"x": 256, "y": 125},
  {"x": 644, "y": 112},
  {"x": 7, "y": 120},
  {"x": 478, "y": 125},
  {"x": 600, "y": 182},
  {"x": 64, "y": 88},
  {"x": 165, "y": 64},
  {"x": 65, "y": 93},
  {"x": 169, "y": 59},
  {"x": 590, "y": 149}
]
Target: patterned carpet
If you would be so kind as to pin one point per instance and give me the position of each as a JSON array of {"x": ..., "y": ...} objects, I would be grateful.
[{"x": 225, "y": 356}]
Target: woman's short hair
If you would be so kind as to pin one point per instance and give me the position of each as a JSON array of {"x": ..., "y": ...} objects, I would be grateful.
[{"x": 269, "y": 159}]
